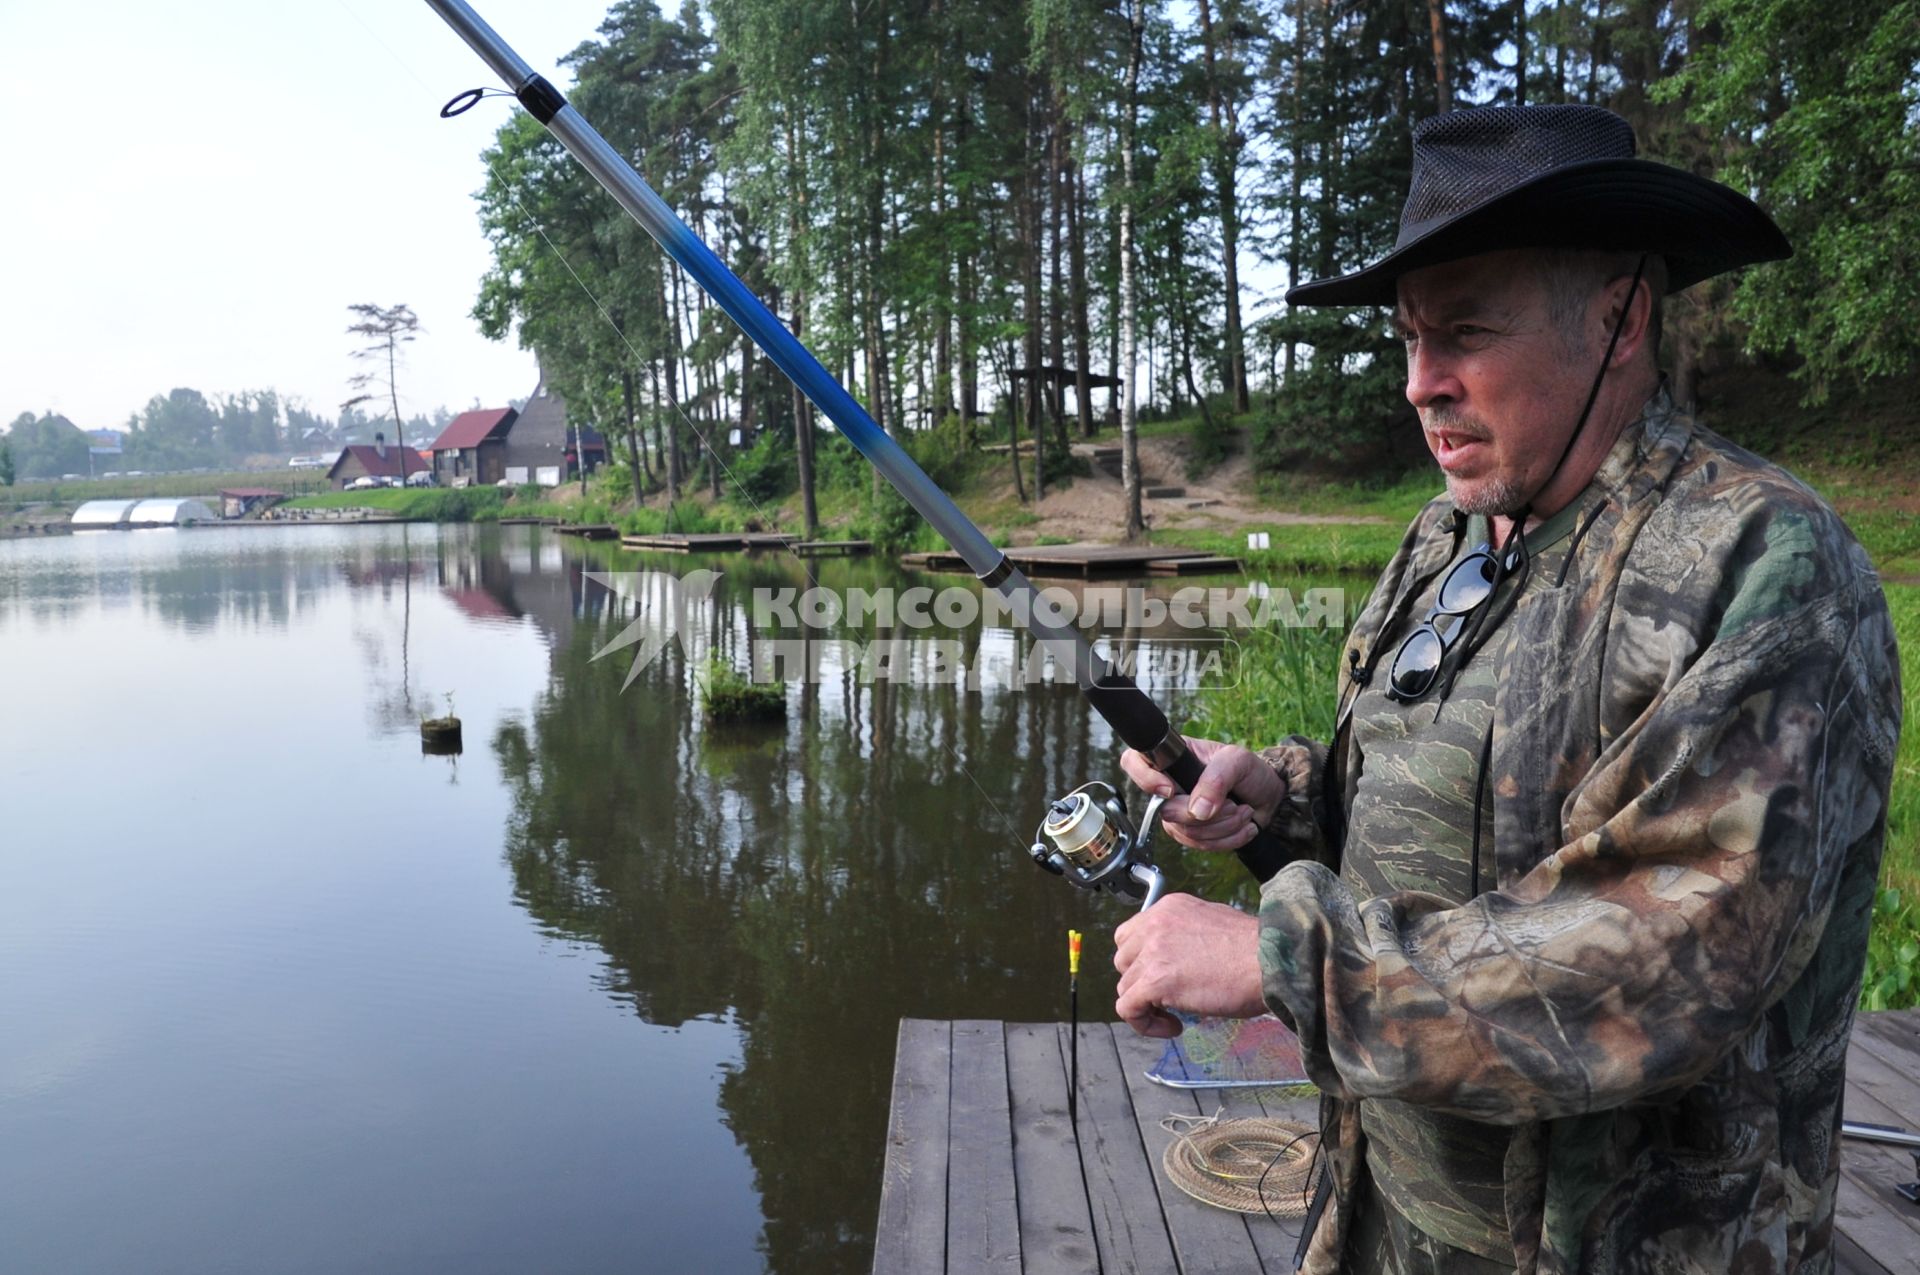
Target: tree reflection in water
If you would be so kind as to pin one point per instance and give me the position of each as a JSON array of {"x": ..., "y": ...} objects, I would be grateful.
[{"x": 812, "y": 882}]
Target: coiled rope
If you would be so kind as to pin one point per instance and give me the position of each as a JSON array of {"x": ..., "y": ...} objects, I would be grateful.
[{"x": 1249, "y": 1164}]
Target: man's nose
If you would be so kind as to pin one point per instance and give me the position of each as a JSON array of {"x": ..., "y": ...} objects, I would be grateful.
[{"x": 1430, "y": 379}]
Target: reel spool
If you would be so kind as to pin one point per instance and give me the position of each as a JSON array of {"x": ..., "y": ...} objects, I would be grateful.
[{"x": 1097, "y": 846}]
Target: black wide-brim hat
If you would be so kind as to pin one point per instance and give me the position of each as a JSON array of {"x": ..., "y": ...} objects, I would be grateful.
[{"x": 1501, "y": 177}]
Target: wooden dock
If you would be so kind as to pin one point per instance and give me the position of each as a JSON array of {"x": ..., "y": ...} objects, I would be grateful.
[
  {"x": 710, "y": 542},
  {"x": 1085, "y": 561},
  {"x": 984, "y": 1172},
  {"x": 587, "y": 530},
  {"x": 832, "y": 548}
]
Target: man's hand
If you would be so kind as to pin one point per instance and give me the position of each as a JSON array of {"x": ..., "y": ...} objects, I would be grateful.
[
  {"x": 1184, "y": 953},
  {"x": 1210, "y": 817}
]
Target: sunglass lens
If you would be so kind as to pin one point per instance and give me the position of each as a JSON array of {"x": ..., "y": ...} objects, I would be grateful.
[
  {"x": 1467, "y": 585},
  {"x": 1416, "y": 663}
]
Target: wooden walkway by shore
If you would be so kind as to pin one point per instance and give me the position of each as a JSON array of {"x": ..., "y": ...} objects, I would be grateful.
[
  {"x": 1084, "y": 561},
  {"x": 984, "y": 1172},
  {"x": 710, "y": 542}
]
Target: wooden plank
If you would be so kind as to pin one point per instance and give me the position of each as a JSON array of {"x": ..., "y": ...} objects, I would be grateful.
[
  {"x": 1056, "y": 1230},
  {"x": 1902, "y": 1026},
  {"x": 832, "y": 548},
  {"x": 1864, "y": 1218},
  {"x": 983, "y": 1215},
  {"x": 1850, "y": 1259},
  {"x": 1205, "y": 1238},
  {"x": 1893, "y": 1035},
  {"x": 1890, "y": 1080},
  {"x": 911, "y": 1236},
  {"x": 1868, "y": 1209},
  {"x": 1121, "y": 1188},
  {"x": 1192, "y": 566}
]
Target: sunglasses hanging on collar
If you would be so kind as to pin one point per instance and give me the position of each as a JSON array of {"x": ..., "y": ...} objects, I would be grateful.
[{"x": 1466, "y": 587}]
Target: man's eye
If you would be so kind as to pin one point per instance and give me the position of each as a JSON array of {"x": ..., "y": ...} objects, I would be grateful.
[{"x": 1468, "y": 329}]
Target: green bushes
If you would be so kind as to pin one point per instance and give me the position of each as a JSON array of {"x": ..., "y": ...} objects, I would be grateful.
[
  {"x": 1892, "y": 979},
  {"x": 727, "y": 696},
  {"x": 431, "y": 504},
  {"x": 767, "y": 471}
]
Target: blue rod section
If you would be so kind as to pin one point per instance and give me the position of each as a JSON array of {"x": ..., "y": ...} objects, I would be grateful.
[
  {"x": 1129, "y": 710},
  {"x": 761, "y": 324}
]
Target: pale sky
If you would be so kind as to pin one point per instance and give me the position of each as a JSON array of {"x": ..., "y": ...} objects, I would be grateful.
[{"x": 195, "y": 192}]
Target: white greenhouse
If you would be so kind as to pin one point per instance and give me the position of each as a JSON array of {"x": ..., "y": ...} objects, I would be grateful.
[{"x": 121, "y": 515}]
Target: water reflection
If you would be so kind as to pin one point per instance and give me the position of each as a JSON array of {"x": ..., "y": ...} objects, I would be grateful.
[
  {"x": 726, "y": 925},
  {"x": 813, "y": 882}
]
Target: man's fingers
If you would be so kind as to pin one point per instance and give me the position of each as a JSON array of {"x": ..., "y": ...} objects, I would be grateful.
[
  {"x": 1224, "y": 769},
  {"x": 1135, "y": 1005},
  {"x": 1156, "y": 1024},
  {"x": 1145, "y": 777},
  {"x": 1231, "y": 827}
]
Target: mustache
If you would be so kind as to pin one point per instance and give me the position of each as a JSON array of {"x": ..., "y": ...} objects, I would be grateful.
[{"x": 1452, "y": 420}]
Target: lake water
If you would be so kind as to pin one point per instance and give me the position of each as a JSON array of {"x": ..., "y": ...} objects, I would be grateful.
[{"x": 609, "y": 991}]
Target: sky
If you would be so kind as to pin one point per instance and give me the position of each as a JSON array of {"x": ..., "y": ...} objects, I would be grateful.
[{"x": 195, "y": 192}]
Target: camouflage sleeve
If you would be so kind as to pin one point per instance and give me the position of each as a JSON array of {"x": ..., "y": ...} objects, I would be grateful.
[
  {"x": 1707, "y": 839},
  {"x": 1303, "y": 821}
]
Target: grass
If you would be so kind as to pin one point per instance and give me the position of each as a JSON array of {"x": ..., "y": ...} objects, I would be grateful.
[
  {"x": 434, "y": 504},
  {"x": 291, "y": 481},
  {"x": 728, "y": 697}
]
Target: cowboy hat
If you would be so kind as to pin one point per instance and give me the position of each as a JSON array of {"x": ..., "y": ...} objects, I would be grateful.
[{"x": 1500, "y": 177}]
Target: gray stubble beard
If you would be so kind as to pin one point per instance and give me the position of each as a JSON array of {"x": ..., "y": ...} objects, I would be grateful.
[{"x": 1496, "y": 498}]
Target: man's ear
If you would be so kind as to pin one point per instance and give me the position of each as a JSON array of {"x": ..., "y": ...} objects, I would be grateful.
[{"x": 1635, "y": 296}]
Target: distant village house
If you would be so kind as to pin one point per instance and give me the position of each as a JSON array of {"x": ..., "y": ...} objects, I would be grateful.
[
  {"x": 377, "y": 461},
  {"x": 468, "y": 450},
  {"x": 533, "y": 445}
]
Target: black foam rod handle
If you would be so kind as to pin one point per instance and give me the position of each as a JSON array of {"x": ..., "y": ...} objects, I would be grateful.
[
  {"x": 1263, "y": 856},
  {"x": 1140, "y": 723}
]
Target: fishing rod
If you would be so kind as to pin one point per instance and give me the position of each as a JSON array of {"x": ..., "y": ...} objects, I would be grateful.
[{"x": 1102, "y": 849}]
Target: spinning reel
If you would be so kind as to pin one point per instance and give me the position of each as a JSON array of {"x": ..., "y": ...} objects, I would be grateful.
[{"x": 1098, "y": 847}]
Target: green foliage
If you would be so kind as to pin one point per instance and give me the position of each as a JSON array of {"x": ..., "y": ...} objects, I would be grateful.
[
  {"x": 1344, "y": 405},
  {"x": 1210, "y": 442},
  {"x": 6, "y": 465},
  {"x": 430, "y": 504},
  {"x": 47, "y": 446},
  {"x": 1821, "y": 108},
  {"x": 1892, "y": 978},
  {"x": 765, "y": 472},
  {"x": 686, "y": 518},
  {"x": 729, "y": 697}
]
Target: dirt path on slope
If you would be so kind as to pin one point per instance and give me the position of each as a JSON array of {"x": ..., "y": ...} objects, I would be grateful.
[{"x": 1094, "y": 507}]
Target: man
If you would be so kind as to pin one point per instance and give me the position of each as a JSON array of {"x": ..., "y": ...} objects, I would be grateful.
[{"x": 1581, "y": 887}]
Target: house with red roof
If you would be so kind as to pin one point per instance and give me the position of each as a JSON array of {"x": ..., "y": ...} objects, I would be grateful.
[
  {"x": 358, "y": 460},
  {"x": 471, "y": 446}
]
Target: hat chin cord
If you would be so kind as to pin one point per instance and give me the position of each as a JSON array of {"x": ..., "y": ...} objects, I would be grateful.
[
  {"x": 1480, "y": 625},
  {"x": 1593, "y": 394}
]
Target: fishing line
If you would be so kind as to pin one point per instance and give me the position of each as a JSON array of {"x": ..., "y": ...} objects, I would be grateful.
[
  {"x": 463, "y": 102},
  {"x": 1133, "y": 714}
]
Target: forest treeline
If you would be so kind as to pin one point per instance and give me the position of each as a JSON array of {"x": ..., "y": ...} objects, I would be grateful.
[
  {"x": 936, "y": 196},
  {"x": 187, "y": 429}
]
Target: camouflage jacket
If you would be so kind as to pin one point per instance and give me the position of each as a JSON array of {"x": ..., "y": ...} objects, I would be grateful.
[{"x": 1692, "y": 752}]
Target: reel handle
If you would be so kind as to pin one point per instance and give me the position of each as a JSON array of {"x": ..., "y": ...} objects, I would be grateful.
[{"x": 1152, "y": 880}]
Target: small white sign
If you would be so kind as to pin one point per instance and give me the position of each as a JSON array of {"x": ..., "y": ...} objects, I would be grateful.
[
  {"x": 547, "y": 475},
  {"x": 517, "y": 475},
  {"x": 1259, "y": 540}
]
